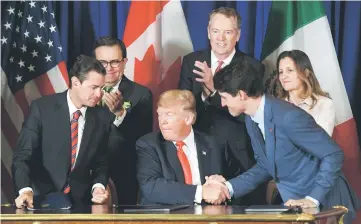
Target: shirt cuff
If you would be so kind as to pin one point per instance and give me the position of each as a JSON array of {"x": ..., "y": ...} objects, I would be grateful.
[
  {"x": 22, "y": 190},
  {"x": 119, "y": 120},
  {"x": 198, "y": 196},
  {"x": 313, "y": 200},
  {"x": 98, "y": 185},
  {"x": 230, "y": 188}
]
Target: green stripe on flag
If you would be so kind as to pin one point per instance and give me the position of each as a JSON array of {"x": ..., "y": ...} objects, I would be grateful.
[{"x": 285, "y": 18}]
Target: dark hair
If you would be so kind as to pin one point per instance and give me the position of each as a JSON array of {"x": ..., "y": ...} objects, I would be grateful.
[
  {"x": 228, "y": 13},
  {"x": 239, "y": 76},
  {"x": 310, "y": 84},
  {"x": 110, "y": 42},
  {"x": 83, "y": 65}
]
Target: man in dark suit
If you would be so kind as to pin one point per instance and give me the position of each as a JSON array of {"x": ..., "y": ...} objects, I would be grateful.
[
  {"x": 197, "y": 72},
  {"x": 288, "y": 145},
  {"x": 173, "y": 164},
  {"x": 130, "y": 105},
  {"x": 62, "y": 145}
]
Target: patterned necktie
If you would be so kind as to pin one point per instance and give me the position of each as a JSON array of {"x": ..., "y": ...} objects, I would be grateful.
[
  {"x": 220, "y": 63},
  {"x": 184, "y": 163},
  {"x": 74, "y": 142}
]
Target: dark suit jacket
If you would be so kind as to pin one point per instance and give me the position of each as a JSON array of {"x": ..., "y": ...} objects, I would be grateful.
[
  {"x": 212, "y": 118},
  {"x": 302, "y": 158},
  {"x": 42, "y": 156},
  {"x": 160, "y": 174},
  {"x": 215, "y": 120},
  {"x": 137, "y": 122}
]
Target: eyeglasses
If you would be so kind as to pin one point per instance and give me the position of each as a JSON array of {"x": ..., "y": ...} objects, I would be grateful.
[{"x": 113, "y": 63}]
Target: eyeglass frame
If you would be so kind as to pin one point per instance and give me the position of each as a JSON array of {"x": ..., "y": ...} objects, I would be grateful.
[{"x": 110, "y": 63}]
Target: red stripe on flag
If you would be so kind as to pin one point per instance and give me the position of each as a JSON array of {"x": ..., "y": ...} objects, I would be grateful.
[
  {"x": 44, "y": 85},
  {"x": 136, "y": 24},
  {"x": 64, "y": 72},
  {"x": 22, "y": 101},
  {"x": 6, "y": 185},
  {"x": 8, "y": 128},
  {"x": 345, "y": 135}
]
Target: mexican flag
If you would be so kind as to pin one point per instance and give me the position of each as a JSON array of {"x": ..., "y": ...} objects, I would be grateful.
[{"x": 303, "y": 25}]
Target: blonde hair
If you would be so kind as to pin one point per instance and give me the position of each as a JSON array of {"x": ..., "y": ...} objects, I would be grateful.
[
  {"x": 228, "y": 13},
  {"x": 184, "y": 98}
]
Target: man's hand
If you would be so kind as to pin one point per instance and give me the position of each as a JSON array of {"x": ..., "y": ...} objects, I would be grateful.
[
  {"x": 206, "y": 77},
  {"x": 25, "y": 199},
  {"x": 215, "y": 178},
  {"x": 100, "y": 196},
  {"x": 304, "y": 203},
  {"x": 114, "y": 102},
  {"x": 215, "y": 193}
]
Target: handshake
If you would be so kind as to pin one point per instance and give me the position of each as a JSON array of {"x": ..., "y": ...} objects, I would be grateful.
[{"x": 215, "y": 191}]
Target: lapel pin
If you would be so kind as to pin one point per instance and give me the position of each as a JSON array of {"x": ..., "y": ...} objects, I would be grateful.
[
  {"x": 204, "y": 153},
  {"x": 270, "y": 130}
]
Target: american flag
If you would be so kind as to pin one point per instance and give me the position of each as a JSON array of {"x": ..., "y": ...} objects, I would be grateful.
[{"x": 31, "y": 66}]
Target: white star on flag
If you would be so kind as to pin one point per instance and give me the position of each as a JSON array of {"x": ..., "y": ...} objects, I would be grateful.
[
  {"x": 11, "y": 10},
  {"x": 20, "y": 14},
  {"x": 4, "y": 40},
  {"x": 60, "y": 49},
  {"x": 32, "y": 4},
  {"x": 21, "y": 63},
  {"x": 53, "y": 14},
  {"x": 18, "y": 78},
  {"x": 30, "y": 19},
  {"x": 7, "y": 25},
  {"x": 41, "y": 24},
  {"x": 18, "y": 29},
  {"x": 52, "y": 28},
  {"x": 37, "y": 38},
  {"x": 23, "y": 48},
  {"x": 14, "y": 44},
  {"x": 31, "y": 68},
  {"x": 48, "y": 58},
  {"x": 34, "y": 53},
  {"x": 11, "y": 59},
  {"x": 50, "y": 43},
  {"x": 26, "y": 33},
  {"x": 44, "y": 9}
]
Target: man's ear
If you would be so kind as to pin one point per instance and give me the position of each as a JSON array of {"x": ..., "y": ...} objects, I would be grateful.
[
  {"x": 75, "y": 81},
  {"x": 243, "y": 95}
]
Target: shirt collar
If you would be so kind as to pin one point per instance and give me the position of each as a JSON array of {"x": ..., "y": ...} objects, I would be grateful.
[
  {"x": 189, "y": 140},
  {"x": 118, "y": 83},
  {"x": 72, "y": 107},
  {"x": 308, "y": 101},
  {"x": 227, "y": 61},
  {"x": 258, "y": 117}
]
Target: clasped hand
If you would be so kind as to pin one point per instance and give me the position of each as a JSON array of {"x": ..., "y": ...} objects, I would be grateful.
[{"x": 215, "y": 191}]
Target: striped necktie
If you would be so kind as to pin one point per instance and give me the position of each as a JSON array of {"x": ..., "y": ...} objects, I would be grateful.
[{"x": 74, "y": 143}]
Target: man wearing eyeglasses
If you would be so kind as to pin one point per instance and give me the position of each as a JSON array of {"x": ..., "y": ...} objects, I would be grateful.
[{"x": 131, "y": 105}]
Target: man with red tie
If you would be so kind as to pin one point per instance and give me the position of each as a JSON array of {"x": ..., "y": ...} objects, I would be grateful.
[
  {"x": 198, "y": 69},
  {"x": 172, "y": 165},
  {"x": 62, "y": 145}
]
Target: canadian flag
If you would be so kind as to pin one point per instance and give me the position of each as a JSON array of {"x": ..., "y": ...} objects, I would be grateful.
[{"x": 157, "y": 37}]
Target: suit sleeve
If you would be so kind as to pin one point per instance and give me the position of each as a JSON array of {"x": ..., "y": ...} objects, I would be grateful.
[
  {"x": 28, "y": 143},
  {"x": 100, "y": 165},
  {"x": 153, "y": 186},
  {"x": 308, "y": 136}
]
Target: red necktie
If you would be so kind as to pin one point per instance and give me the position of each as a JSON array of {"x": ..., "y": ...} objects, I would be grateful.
[
  {"x": 220, "y": 63},
  {"x": 184, "y": 163},
  {"x": 74, "y": 142}
]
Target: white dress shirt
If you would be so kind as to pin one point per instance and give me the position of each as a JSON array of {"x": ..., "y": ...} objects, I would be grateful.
[
  {"x": 258, "y": 117},
  {"x": 214, "y": 65},
  {"x": 323, "y": 111},
  {"x": 190, "y": 150},
  {"x": 118, "y": 120}
]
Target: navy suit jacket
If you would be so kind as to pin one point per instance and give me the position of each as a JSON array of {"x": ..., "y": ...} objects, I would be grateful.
[
  {"x": 160, "y": 174},
  {"x": 298, "y": 154}
]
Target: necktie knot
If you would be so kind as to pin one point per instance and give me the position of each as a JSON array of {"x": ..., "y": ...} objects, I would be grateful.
[
  {"x": 180, "y": 145},
  {"x": 76, "y": 114},
  {"x": 108, "y": 89},
  {"x": 220, "y": 63}
]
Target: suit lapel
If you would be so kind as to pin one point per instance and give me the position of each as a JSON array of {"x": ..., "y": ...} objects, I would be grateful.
[
  {"x": 126, "y": 88},
  {"x": 270, "y": 136},
  {"x": 203, "y": 157},
  {"x": 171, "y": 152},
  {"x": 62, "y": 124},
  {"x": 87, "y": 133},
  {"x": 259, "y": 138}
]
